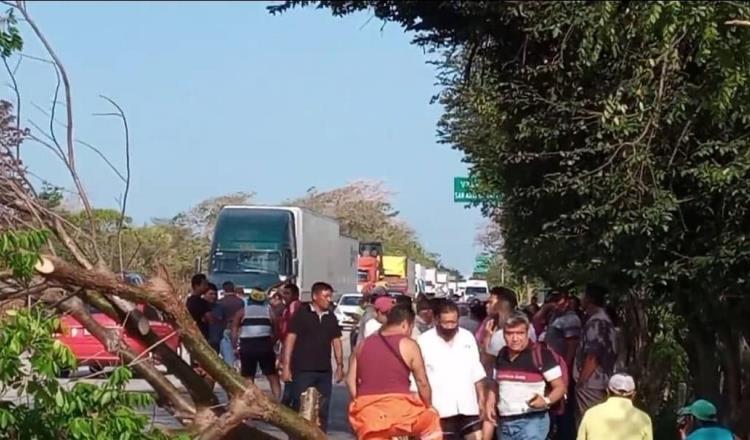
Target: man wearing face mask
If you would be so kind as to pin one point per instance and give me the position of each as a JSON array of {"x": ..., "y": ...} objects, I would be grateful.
[{"x": 452, "y": 362}]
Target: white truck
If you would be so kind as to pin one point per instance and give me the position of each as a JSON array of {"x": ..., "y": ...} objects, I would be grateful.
[
  {"x": 419, "y": 273},
  {"x": 430, "y": 280},
  {"x": 259, "y": 246}
]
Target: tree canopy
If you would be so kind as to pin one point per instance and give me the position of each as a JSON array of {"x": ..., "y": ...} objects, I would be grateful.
[{"x": 616, "y": 136}]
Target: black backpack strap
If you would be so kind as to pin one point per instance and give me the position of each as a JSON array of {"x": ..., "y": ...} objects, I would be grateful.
[
  {"x": 536, "y": 355},
  {"x": 393, "y": 350}
]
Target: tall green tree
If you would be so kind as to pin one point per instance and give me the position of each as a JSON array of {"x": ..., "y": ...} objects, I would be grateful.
[{"x": 616, "y": 135}]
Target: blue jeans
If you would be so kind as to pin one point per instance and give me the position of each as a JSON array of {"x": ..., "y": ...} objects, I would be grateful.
[
  {"x": 534, "y": 426},
  {"x": 226, "y": 349}
]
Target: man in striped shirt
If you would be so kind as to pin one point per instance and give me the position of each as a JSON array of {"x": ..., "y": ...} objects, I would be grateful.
[
  {"x": 253, "y": 337},
  {"x": 528, "y": 379}
]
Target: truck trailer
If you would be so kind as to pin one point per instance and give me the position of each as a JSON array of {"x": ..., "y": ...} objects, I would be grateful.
[{"x": 398, "y": 273}]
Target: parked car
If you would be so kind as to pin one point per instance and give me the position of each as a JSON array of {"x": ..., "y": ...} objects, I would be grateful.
[
  {"x": 91, "y": 353},
  {"x": 348, "y": 305}
]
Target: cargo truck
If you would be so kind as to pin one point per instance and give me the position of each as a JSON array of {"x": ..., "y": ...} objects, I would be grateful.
[
  {"x": 430, "y": 281},
  {"x": 419, "y": 279},
  {"x": 260, "y": 246},
  {"x": 398, "y": 273},
  {"x": 369, "y": 265}
]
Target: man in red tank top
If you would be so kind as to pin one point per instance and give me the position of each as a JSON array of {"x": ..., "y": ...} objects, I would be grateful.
[{"x": 382, "y": 404}]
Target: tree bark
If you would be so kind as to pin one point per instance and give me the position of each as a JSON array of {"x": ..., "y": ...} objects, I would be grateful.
[
  {"x": 159, "y": 293},
  {"x": 201, "y": 393},
  {"x": 731, "y": 363},
  {"x": 701, "y": 350}
]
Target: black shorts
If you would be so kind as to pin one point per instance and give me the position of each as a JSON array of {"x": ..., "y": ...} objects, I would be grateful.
[
  {"x": 255, "y": 351},
  {"x": 457, "y": 427}
]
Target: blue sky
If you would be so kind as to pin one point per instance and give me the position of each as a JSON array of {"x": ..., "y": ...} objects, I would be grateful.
[{"x": 224, "y": 97}]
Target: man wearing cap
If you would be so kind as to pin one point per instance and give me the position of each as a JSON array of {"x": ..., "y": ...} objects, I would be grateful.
[
  {"x": 616, "y": 418},
  {"x": 253, "y": 335},
  {"x": 699, "y": 421},
  {"x": 382, "y": 305},
  {"x": 369, "y": 310}
]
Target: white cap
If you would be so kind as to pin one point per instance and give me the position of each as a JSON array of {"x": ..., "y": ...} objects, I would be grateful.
[{"x": 622, "y": 383}]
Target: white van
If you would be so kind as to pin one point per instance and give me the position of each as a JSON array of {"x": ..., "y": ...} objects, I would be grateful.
[{"x": 476, "y": 289}]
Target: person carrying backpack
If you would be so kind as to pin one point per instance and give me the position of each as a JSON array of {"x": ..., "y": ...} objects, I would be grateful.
[
  {"x": 529, "y": 382},
  {"x": 562, "y": 331}
]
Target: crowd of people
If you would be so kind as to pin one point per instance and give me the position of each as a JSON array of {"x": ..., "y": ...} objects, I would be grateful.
[{"x": 422, "y": 369}]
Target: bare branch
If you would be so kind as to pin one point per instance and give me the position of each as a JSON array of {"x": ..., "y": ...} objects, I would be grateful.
[
  {"x": 744, "y": 23},
  {"x": 55, "y": 148},
  {"x": 151, "y": 348},
  {"x": 82, "y": 142},
  {"x": 104, "y": 158},
  {"x": 18, "y": 102},
  {"x": 52, "y": 111},
  {"x": 71, "y": 162},
  {"x": 17, "y": 66},
  {"x": 35, "y": 58},
  {"x": 123, "y": 206},
  {"x": 57, "y": 303}
]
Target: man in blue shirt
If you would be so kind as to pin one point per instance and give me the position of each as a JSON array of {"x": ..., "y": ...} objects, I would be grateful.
[{"x": 699, "y": 421}]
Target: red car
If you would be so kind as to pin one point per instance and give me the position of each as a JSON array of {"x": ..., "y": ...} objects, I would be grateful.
[{"x": 92, "y": 353}]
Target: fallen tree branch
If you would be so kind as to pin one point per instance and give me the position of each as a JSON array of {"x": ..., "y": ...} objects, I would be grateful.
[
  {"x": 159, "y": 293},
  {"x": 239, "y": 410},
  {"x": 198, "y": 389},
  {"x": 163, "y": 387}
]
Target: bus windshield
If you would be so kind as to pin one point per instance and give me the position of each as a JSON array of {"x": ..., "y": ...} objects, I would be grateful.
[
  {"x": 253, "y": 229},
  {"x": 476, "y": 291},
  {"x": 253, "y": 241},
  {"x": 248, "y": 262}
]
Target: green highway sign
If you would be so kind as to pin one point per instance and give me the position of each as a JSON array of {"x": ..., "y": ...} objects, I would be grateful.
[
  {"x": 482, "y": 263},
  {"x": 462, "y": 190}
]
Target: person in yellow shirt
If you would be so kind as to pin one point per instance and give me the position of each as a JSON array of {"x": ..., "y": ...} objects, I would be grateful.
[{"x": 616, "y": 418}]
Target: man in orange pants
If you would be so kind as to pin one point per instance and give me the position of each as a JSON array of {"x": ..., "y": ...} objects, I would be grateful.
[{"x": 382, "y": 405}]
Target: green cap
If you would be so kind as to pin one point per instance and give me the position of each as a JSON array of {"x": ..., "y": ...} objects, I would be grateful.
[{"x": 700, "y": 409}]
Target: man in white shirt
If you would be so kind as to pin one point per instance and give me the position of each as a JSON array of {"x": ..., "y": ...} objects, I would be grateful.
[{"x": 453, "y": 367}]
